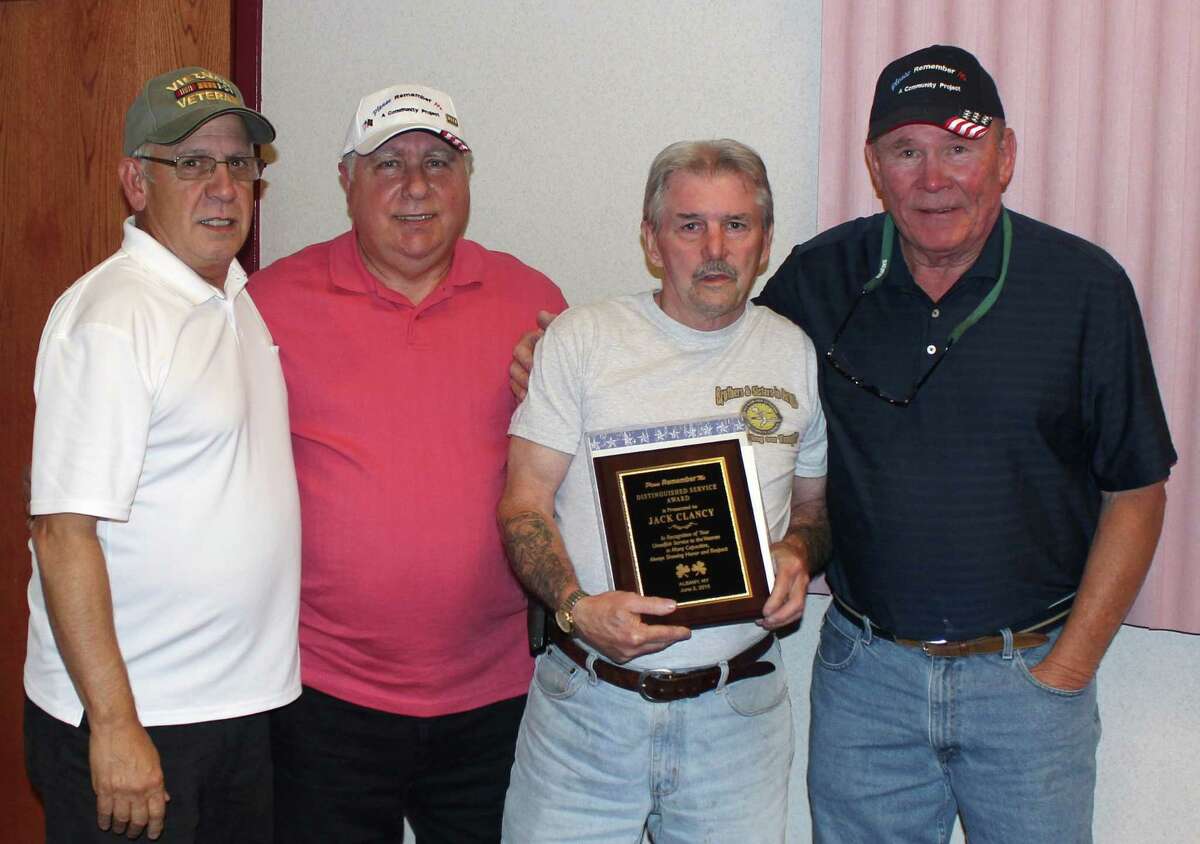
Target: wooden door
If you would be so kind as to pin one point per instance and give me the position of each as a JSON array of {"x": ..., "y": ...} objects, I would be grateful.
[{"x": 68, "y": 71}]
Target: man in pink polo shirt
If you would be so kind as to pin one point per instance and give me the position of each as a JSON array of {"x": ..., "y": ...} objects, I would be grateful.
[{"x": 395, "y": 340}]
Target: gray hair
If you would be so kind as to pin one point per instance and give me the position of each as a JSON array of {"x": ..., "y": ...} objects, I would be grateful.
[
  {"x": 143, "y": 149},
  {"x": 706, "y": 158}
]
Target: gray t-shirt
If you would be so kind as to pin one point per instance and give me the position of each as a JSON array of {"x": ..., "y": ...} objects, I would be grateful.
[{"x": 624, "y": 362}]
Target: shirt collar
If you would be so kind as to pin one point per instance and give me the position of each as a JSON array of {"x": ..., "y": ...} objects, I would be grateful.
[
  {"x": 174, "y": 274},
  {"x": 685, "y": 334},
  {"x": 349, "y": 272},
  {"x": 986, "y": 266}
]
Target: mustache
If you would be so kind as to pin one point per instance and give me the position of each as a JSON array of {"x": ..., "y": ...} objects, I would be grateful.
[{"x": 715, "y": 267}]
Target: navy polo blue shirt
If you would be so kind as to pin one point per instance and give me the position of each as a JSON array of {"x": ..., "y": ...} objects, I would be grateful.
[{"x": 973, "y": 508}]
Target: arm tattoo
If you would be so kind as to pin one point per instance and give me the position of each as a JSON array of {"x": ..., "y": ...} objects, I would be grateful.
[
  {"x": 533, "y": 552},
  {"x": 809, "y": 529}
]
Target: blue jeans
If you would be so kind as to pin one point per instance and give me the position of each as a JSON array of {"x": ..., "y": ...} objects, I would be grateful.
[
  {"x": 596, "y": 763},
  {"x": 901, "y": 742}
]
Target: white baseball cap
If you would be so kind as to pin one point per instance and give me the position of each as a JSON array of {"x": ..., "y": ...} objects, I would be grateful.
[{"x": 402, "y": 108}]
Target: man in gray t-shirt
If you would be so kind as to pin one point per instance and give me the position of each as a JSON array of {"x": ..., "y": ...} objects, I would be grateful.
[{"x": 706, "y": 754}]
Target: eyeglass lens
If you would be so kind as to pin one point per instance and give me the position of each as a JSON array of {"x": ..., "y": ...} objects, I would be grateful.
[{"x": 245, "y": 168}]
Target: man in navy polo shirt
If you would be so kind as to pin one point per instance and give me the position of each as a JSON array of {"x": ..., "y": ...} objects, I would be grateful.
[{"x": 997, "y": 459}]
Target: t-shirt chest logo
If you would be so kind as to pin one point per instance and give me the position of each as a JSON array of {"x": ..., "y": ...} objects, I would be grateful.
[
  {"x": 761, "y": 416},
  {"x": 760, "y": 411}
]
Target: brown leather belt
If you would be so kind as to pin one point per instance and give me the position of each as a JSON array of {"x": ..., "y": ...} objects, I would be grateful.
[
  {"x": 979, "y": 645},
  {"x": 662, "y": 684},
  {"x": 1030, "y": 637}
]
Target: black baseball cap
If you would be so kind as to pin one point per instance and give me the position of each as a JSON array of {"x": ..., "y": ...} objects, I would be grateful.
[{"x": 939, "y": 85}]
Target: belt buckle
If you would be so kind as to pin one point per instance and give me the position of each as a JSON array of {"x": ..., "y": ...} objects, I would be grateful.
[
  {"x": 925, "y": 645},
  {"x": 644, "y": 675}
]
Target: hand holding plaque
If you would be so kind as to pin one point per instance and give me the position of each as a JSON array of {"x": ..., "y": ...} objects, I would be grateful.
[{"x": 682, "y": 518}]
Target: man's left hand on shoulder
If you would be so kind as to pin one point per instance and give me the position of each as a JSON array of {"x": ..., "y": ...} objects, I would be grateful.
[
  {"x": 786, "y": 603},
  {"x": 522, "y": 363}
]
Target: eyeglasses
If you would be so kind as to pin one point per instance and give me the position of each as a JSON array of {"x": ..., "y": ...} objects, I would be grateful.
[
  {"x": 193, "y": 168},
  {"x": 889, "y": 231}
]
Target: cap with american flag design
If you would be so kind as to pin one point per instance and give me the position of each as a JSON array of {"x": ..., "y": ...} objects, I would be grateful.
[{"x": 940, "y": 85}]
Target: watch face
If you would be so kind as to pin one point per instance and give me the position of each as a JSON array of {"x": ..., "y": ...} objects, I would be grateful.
[
  {"x": 761, "y": 416},
  {"x": 563, "y": 619}
]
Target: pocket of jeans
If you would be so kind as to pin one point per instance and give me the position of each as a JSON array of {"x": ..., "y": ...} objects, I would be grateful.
[
  {"x": 1038, "y": 654},
  {"x": 556, "y": 675},
  {"x": 756, "y": 695},
  {"x": 835, "y": 649}
]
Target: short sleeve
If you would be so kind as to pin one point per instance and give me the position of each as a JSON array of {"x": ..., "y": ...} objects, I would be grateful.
[
  {"x": 811, "y": 456},
  {"x": 552, "y": 299},
  {"x": 552, "y": 413},
  {"x": 91, "y": 424},
  {"x": 1126, "y": 427}
]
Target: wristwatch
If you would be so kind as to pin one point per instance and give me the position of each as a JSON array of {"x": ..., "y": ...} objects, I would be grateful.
[{"x": 564, "y": 615}]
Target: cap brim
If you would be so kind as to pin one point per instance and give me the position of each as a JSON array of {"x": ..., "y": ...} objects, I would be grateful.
[
  {"x": 374, "y": 140},
  {"x": 258, "y": 127},
  {"x": 933, "y": 114}
]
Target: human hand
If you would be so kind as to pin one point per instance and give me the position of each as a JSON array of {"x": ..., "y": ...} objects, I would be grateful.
[
  {"x": 786, "y": 602},
  {"x": 522, "y": 362},
  {"x": 128, "y": 780},
  {"x": 612, "y": 623},
  {"x": 1052, "y": 673}
]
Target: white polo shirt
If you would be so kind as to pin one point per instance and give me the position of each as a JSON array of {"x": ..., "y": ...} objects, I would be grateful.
[{"x": 161, "y": 409}]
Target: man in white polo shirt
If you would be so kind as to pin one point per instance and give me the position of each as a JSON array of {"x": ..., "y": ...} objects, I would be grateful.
[{"x": 164, "y": 601}]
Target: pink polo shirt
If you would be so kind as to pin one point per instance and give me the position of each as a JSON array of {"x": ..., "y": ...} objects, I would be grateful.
[{"x": 398, "y": 417}]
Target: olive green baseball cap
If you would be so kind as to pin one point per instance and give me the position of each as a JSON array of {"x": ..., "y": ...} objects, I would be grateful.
[{"x": 172, "y": 105}]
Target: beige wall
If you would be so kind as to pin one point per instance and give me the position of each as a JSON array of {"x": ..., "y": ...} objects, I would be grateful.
[{"x": 564, "y": 103}]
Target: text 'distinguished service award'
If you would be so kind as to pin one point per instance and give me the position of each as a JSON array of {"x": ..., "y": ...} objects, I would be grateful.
[{"x": 682, "y": 518}]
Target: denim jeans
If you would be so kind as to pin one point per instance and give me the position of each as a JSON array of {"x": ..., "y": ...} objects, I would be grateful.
[
  {"x": 596, "y": 763},
  {"x": 901, "y": 742}
]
